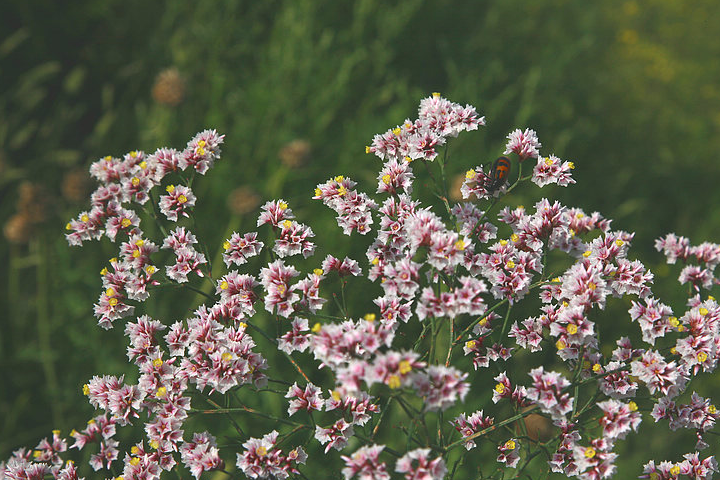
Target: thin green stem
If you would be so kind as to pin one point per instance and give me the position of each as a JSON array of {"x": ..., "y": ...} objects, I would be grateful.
[
  {"x": 450, "y": 341},
  {"x": 155, "y": 214},
  {"x": 44, "y": 327},
  {"x": 433, "y": 324},
  {"x": 244, "y": 409},
  {"x": 232, "y": 420},
  {"x": 503, "y": 332},
  {"x": 383, "y": 411},
  {"x": 273, "y": 340}
]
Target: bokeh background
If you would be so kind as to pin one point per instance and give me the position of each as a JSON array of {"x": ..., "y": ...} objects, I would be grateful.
[{"x": 628, "y": 90}]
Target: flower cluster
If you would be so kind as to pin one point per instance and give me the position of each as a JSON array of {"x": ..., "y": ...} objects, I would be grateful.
[
  {"x": 441, "y": 285},
  {"x": 262, "y": 460},
  {"x": 438, "y": 119}
]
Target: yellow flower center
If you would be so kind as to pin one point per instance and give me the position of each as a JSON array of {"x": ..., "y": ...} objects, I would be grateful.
[
  {"x": 470, "y": 344},
  {"x": 387, "y": 178},
  {"x": 157, "y": 362},
  {"x": 287, "y": 224},
  {"x": 125, "y": 222},
  {"x": 393, "y": 381},
  {"x": 405, "y": 367},
  {"x": 589, "y": 452},
  {"x": 632, "y": 406},
  {"x": 227, "y": 356},
  {"x": 369, "y": 317},
  {"x": 510, "y": 445},
  {"x": 510, "y": 265},
  {"x": 318, "y": 271},
  {"x": 367, "y": 148},
  {"x": 619, "y": 242},
  {"x": 514, "y": 237},
  {"x": 560, "y": 345},
  {"x": 548, "y": 161},
  {"x": 316, "y": 328},
  {"x": 572, "y": 329},
  {"x": 500, "y": 388},
  {"x": 460, "y": 245},
  {"x": 161, "y": 392},
  {"x": 675, "y": 471},
  {"x": 470, "y": 174},
  {"x": 596, "y": 367},
  {"x": 135, "y": 181},
  {"x": 170, "y": 188},
  {"x": 181, "y": 199},
  {"x": 586, "y": 253},
  {"x": 703, "y": 311},
  {"x": 113, "y": 302},
  {"x": 701, "y": 357}
]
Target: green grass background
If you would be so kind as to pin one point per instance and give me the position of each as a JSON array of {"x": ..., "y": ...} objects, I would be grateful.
[{"x": 628, "y": 90}]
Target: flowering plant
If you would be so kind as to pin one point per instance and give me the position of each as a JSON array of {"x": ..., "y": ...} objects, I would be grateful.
[{"x": 387, "y": 388}]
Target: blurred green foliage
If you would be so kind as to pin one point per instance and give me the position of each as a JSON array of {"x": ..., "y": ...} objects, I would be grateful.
[{"x": 628, "y": 90}]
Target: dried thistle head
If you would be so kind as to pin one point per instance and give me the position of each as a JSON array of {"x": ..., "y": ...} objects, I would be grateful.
[
  {"x": 295, "y": 154},
  {"x": 169, "y": 87},
  {"x": 76, "y": 185},
  {"x": 243, "y": 200},
  {"x": 33, "y": 202},
  {"x": 18, "y": 229}
]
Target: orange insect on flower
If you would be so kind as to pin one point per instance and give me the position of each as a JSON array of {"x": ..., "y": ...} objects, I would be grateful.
[{"x": 499, "y": 173}]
